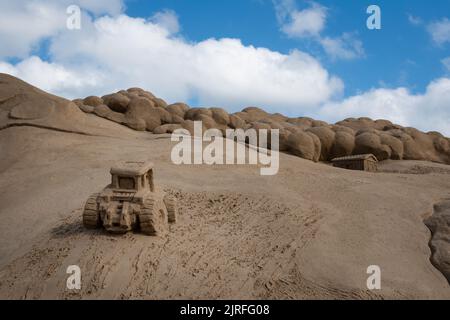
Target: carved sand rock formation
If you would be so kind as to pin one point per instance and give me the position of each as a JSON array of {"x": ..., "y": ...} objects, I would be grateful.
[
  {"x": 439, "y": 224},
  {"x": 24, "y": 105},
  {"x": 304, "y": 137}
]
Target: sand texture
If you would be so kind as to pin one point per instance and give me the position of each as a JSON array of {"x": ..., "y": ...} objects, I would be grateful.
[{"x": 309, "y": 232}]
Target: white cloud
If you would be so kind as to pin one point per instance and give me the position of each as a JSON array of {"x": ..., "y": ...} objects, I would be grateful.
[
  {"x": 309, "y": 23},
  {"x": 98, "y": 7},
  {"x": 346, "y": 47},
  {"x": 428, "y": 111},
  {"x": 416, "y": 21},
  {"x": 23, "y": 24},
  {"x": 446, "y": 63},
  {"x": 52, "y": 77},
  {"x": 300, "y": 23},
  {"x": 115, "y": 53},
  {"x": 167, "y": 19},
  {"x": 440, "y": 31}
]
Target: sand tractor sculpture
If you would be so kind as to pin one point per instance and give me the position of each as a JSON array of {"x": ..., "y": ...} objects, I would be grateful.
[{"x": 131, "y": 202}]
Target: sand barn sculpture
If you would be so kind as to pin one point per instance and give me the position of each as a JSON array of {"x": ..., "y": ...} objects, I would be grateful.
[{"x": 363, "y": 162}]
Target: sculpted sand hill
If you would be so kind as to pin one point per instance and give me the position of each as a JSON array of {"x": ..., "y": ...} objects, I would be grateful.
[
  {"x": 304, "y": 137},
  {"x": 310, "y": 231},
  {"x": 22, "y": 104}
]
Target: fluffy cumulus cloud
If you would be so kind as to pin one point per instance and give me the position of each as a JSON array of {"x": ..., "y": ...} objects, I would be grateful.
[
  {"x": 427, "y": 111},
  {"x": 440, "y": 31},
  {"x": 167, "y": 19},
  {"x": 309, "y": 23},
  {"x": 446, "y": 63},
  {"x": 346, "y": 47},
  {"x": 414, "y": 20},
  {"x": 300, "y": 23},
  {"x": 24, "y": 24},
  {"x": 110, "y": 53},
  {"x": 53, "y": 77}
]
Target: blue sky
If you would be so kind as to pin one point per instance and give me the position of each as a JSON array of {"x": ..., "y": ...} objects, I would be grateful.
[
  {"x": 400, "y": 54},
  {"x": 300, "y": 58}
]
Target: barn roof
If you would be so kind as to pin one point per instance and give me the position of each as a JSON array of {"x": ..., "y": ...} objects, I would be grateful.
[
  {"x": 131, "y": 168},
  {"x": 356, "y": 157}
]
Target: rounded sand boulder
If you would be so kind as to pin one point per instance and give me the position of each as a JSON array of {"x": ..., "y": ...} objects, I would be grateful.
[
  {"x": 254, "y": 114},
  {"x": 326, "y": 137},
  {"x": 424, "y": 145},
  {"x": 159, "y": 102},
  {"x": 371, "y": 143},
  {"x": 394, "y": 144},
  {"x": 302, "y": 144},
  {"x": 167, "y": 128},
  {"x": 343, "y": 145},
  {"x": 135, "y": 90},
  {"x": 382, "y": 124},
  {"x": 242, "y": 115},
  {"x": 150, "y": 96},
  {"x": 189, "y": 126},
  {"x": 116, "y": 117},
  {"x": 86, "y": 109},
  {"x": 236, "y": 122},
  {"x": 139, "y": 107},
  {"x": 78, "y": 102},
  {"x": 273, "y": 124},
  {"x": 293, "y": 129},
  {"x": 357, "y": 124},
  {"x": 151, "y": 122},
  {"x": 337, "y": 128},
  {"x": 194, "y": 113},
  {"x": 318, "y": 123},
  {"x": 411, "y": 150},
  {"x": 164, "y": 115},
  {"x": 178, "y": 109},
  {"x": 177, "y": 119},
  {"x": 317, "y": 146},
  {"x": 220, "y": 116},
  {"x": 301, "y": 122},
  {"x": 130, "y": 95},
  {"x": 102, "y": 110},
  {"x": 116, "y": 102},
  {"x": 284, "y": 137},
  {"x": 278, "y": 117},
  {"x": 441, "y": 144},
  {"x": 207, "y": 121},
  {"x": 367, "y": 130},
  {"x": 136, "y": 124},
  {"x": 143, "y": 109},
  {"x": 93, "y": 101}
]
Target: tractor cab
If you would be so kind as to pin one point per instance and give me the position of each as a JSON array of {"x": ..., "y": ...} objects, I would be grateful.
[{"x": 130, "y": 176}]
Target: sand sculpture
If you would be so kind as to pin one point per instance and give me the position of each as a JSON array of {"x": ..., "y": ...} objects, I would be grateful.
[
  {"x": 333, "y": 215},
  {"x": 131, "y": 202},
  {"x": 362, "y": 162},
  {"x": 439, "y": 225},
  {"x": 304, "y": 137}
]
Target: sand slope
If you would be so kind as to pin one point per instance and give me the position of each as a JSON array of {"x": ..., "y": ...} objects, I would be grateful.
[
  {"x": 24, "y": 105},
  {"x": 308, "y": 232}
]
